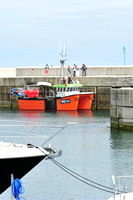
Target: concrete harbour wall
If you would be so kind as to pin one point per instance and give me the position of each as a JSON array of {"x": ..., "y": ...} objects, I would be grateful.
[
  {"x": 99, "y": 79},
  {"x": 121, "y": 110},
  {"x": 91, "y": 71},
  {"x": 7, "y": 72}
]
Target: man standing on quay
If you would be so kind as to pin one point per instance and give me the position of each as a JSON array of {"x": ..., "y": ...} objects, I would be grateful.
[{"x": 84, "y": 68}]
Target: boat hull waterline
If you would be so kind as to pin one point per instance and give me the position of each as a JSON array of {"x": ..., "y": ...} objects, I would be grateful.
[{"x": 72, "y": 103}]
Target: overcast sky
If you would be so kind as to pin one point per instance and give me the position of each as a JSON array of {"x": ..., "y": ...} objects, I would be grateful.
[{"x": 33, "y": 32}]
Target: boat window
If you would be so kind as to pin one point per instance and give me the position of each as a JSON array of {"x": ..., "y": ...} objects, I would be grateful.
[
  {"x": 70, "y": 89},
  {"x": 64, "y": 89},
  {"x": 58, "y": 89},
  {"x": 67, "y": 89}
]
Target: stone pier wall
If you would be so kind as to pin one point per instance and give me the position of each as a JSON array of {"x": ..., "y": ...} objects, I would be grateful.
[
  {"x": 99, "y": 79},
  {"x": 101, "y": 97},
  {"x": 121, "y": 110}
]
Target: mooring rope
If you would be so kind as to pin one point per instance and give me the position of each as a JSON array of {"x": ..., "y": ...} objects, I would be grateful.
[
  {"x": 17, "y": 189},
  {"x": 76, "y": 175}
]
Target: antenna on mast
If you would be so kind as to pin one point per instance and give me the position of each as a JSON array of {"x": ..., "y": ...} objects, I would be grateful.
[
  {"x": 63, "y": 54},
  {"x": 62, "y": 61}
]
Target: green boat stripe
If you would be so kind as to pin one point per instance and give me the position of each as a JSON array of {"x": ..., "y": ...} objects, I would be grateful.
[{"x": 69, "y": 85}]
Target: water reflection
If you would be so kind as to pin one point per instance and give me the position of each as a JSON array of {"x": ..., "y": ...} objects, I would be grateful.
[
  {"x": 67, "y": 113},
  {"x": 121, "y": 143},
  {"x": 31, "y": 116},
  {"x": 30, "y": 113},
  {"x": 121, "y": 139},
  {"x": 75, "y": 114},
  {"x": 85, "y": 113}
]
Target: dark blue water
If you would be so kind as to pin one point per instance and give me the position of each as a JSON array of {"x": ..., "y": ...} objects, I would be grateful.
[{"x": 90, "y": 148}]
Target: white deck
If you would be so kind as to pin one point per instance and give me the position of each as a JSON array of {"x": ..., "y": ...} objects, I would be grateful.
[{"x": 10, "y": 150}]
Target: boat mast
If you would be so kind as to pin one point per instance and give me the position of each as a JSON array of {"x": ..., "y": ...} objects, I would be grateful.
[{"x": 62, "y": 61}]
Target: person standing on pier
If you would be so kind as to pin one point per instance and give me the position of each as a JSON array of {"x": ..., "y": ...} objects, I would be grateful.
[
  {"x": 77, "y": 71},
  {"x": 74, "y": 70},
  {"x": 84, "y": 68},
  {"x": 46, "y": 69}
]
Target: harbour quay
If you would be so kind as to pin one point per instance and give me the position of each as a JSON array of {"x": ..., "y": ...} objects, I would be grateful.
[
  {"x": 98, "y": 79},
  {"x": 121, "y": 111}
]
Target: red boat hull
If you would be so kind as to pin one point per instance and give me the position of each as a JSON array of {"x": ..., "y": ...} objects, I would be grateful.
[
  {"x": 85, "y": 101},
  {"x": 68, "y": 103},
  {"x": 71, "y": 103},
  {"x": 31, "y": 104}
]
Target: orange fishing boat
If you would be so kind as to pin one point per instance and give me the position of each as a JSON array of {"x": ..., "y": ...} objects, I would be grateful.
[
  {"x": 64, "y": 96},
  {"x": 68, "y": 95}
]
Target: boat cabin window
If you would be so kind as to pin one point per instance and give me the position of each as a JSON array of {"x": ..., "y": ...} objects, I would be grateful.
[
  {"x": 64, "y": 89},
  {"x": 78, "y": 89},
  {"x": 60, "y": 89},
  {"x": 67, "y": 89},
  {"x": 71, "y": 89}
]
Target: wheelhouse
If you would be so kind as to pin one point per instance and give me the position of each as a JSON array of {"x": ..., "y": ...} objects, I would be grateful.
[{"x": 68, "y": 89}]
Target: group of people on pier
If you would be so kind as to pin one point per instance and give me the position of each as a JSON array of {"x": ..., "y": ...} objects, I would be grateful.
[
  {"x": 72, "y": 72},
  {"x": 75, "y": 70}
]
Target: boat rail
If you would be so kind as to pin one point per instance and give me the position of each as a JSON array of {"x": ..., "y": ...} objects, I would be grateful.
[{"x": 122, "y": 188}]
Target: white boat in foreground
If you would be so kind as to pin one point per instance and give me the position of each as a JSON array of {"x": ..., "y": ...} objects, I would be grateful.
[
  {"x": 124, "y": 191},
  {"x": 19, "y": 159}
]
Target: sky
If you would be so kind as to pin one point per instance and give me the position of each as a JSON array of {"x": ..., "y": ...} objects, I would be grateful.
[{"x": 33, "y": 32}]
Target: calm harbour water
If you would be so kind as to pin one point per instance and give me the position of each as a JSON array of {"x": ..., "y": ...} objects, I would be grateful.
[{"x": 90, "y": 148}]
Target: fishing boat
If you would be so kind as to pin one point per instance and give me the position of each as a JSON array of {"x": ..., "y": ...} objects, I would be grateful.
[
  {"x": 124, "y": 189},
  {"x": 66, "y": 95},
  {"x": 69, "y": 97},
  {"x": 68, "y": 92}
]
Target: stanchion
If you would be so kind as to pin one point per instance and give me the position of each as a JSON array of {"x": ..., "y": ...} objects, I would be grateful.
[{"x": 12, "y": 179}]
